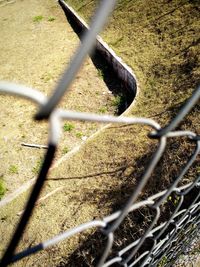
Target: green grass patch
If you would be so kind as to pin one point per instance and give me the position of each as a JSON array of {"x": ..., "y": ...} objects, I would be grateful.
[
  {"x": 79, "y": 134},
  {"x": 68, "y": 127},
  {"x": 2, "y": 188},
  {"x": 103, "y": 110},
  {"x": 38, "y": 18},
  {"x": 100, "y": 74},
  {"x": 163, "y": 262},
  {"x": 47, "y": 77},
  {"x": 65, "y": 150},
  {"x": 13, "y": 169},
  {"x": 118, "y": 101}
]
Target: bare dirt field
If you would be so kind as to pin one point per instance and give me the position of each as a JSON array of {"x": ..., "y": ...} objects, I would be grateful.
[{"x": 36, "y": 45}]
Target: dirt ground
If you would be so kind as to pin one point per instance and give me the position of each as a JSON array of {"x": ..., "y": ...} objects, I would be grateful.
[
  {"x": 36, "y": 44},
  {"x": 34, "y": 53}
]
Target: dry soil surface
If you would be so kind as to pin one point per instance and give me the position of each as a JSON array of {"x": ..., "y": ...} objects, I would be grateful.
[{"x": 36, "y": 45}]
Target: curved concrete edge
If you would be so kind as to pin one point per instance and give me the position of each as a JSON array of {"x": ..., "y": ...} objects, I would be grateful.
[{"x": 121, "y": 69}]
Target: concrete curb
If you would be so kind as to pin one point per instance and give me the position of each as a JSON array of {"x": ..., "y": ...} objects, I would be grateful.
[{"x": 123, "y": 72}]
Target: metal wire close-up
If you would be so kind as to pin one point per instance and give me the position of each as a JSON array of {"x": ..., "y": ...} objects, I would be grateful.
[
  {"x": 167, "y": 237},
  {"x": 182, "y": 220}
]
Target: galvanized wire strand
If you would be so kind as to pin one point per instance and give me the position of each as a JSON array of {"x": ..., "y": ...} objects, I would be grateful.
[
  {"x": 57, "y": 239},
  {"x": 135, "y": 243},
  {"x": 138, "y": 259},
  {"x": 53, "y": 138},
  {"x": 181, "y": 219},
  {"x": 157, "y": 236},
  {"x": 127, "y": 248},
  {"x": 178, "y": 226},
  {"x": 98, "y": 22},
  {"x": 171, "y": 218},
  {"x": 163, "y": 230},
  {"x": 140, "y": 186},
  {"x": 169, "y": 251},
  {"x": 188, "y": 209},
  {"x": 107, "y": 249},
  {"x": 22, "y": 91},
  {"x": 54, "y": 131},
  {"x": 67, "y": 234},
  {"x": 81, "y": 116},
  {"x": 150, "y": 201},
  {"x": 184, "y": 246},
  {"x": 8, "y": 255},
  {"x": 194, "y": 184},
  {"x": 111, "y": 262},
  {"x": 182, "y": 173},
  {"x": 186, "y": 108},
  {"x": 134, "y": 251},
  {"x": 163, "y": 251}
]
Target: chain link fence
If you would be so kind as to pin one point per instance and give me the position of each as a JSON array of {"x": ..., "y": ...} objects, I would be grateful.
[{"x": 166, "y": 240}]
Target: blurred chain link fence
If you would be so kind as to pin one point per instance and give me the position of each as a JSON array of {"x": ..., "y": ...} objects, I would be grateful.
[{"x": 168, "y": 239}]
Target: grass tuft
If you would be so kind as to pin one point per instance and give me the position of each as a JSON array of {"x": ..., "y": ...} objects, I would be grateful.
[
  {"x": 68, "y": 127},
  {"x": 65, "y": 150},
  {"x": 118, "y": 101},
  {"x": 100, "y": 74},
  {"x": 13, "y": 169},
  {"x": 38, "y": 18},
  {"x": 79, "y": 134},
  {"x": 103, "y": 110},
  {"x": 51, "y": 18},
  {"x": 2, "y": 188}
]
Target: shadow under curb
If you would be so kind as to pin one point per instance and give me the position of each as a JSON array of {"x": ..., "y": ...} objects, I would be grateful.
[{"x": 119, "y": 80}]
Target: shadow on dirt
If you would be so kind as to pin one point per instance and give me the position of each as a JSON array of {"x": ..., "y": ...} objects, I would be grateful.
[{"x": 136, "y": 223}]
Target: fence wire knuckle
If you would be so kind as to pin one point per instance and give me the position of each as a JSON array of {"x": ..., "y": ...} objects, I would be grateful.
[{"x": 166, "y": 235}]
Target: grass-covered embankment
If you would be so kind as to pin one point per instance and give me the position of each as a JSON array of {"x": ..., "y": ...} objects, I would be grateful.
[{"x": 160, "y": 41}]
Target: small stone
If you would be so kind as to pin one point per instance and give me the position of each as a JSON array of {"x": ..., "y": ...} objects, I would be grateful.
[{"x": 128, "y": 171}]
